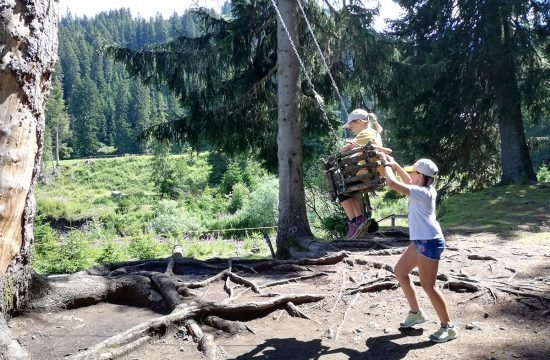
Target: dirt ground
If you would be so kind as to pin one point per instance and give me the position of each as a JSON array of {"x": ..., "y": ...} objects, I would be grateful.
[{"x": 492, "y": 324}]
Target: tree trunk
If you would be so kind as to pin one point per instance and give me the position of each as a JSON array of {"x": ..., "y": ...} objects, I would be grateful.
[
  {"x": 57, "y": 145},
  {"x": 515, "y": 159},
  {"x": 28, "y": 52},
  {"x": 293, "y": 223}
]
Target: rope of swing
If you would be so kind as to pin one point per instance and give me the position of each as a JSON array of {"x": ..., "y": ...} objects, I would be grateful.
[
  {"x": 342, "y": 104},
  {"x": 318, "y": 97}
]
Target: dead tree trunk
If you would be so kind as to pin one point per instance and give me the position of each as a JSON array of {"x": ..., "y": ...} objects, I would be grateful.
[{"x": 28, "y": 52}]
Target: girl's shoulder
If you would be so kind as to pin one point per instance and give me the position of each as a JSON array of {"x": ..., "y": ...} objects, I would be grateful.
[
  {"x": 422, "y": 191},
  {"x": 368, "y": 134}
]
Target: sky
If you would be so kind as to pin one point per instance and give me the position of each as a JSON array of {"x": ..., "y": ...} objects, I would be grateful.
[{"x": 149, "y": 8}]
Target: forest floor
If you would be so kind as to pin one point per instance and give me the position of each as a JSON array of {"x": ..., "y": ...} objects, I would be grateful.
[{"x": 493, "y": 323}]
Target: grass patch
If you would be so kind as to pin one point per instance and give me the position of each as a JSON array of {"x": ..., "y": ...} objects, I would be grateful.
[{"x": 500, "y": 209}]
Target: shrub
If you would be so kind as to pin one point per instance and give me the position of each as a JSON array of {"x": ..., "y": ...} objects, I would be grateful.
[
  {"x": 263, "y": 207},
  {"x": 147, "y": 247},
  {"x": 543, "y": 175},
  {"x": 111, "y": 252},
  {"x": 239, "y": 197},
  {"x": 334, "y": 225},
  {"x": 172, "y": 220},
  {"x": 55, "y": 255}
]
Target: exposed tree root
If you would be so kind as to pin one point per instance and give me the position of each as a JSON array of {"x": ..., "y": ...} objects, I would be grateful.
[
  {"x": 231, "y": 327},
  {"x": 481, "y": 257},
  {"x": 177, "y": 287},
  {"x": 205, "y": 341},
  {"x": 10, "y": 349},
  {"x": 345, "y": 315}
]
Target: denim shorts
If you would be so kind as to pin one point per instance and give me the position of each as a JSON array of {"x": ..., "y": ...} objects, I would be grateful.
[{"x": 431, "y": 249}]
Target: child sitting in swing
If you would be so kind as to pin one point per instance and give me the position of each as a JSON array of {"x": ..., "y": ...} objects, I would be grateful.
[{"x": 366, "y": 128}]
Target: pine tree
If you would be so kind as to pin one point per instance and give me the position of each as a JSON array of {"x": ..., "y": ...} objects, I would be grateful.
[
  {"x": 228, "y": 80},
  {"x": 57, "y": 123},
  {"x": 468, "y": 70}
]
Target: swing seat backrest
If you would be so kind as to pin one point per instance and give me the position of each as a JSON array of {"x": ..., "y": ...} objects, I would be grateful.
[{"x": 353, "y": 172}]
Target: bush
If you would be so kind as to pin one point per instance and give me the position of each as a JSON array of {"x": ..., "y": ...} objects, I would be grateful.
[
  {"x": 335, "y": 225},
  {"x": 111, "y": 252},
  {"x": 263, "y": 207},
  {"x": 172, "y": 220},
  {"x": 147, "y": 247},
  {"x": 543, "y": 175},
  {"x": 239, "y": 197},
  {"x": 55, "y": 255}
]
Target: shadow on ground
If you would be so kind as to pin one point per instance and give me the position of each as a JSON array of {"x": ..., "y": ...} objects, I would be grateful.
[{"x": 378, "y": 347}]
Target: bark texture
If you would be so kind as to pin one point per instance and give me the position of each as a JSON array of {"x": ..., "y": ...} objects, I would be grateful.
[
  {"x": 293, "y": 223},
  {"x": 28, "y": 53},
  {"x": 516, "y": 162}
]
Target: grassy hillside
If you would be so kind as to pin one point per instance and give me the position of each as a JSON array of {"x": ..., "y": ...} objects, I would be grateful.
[
  {"x": 105, "y": 210},
  {"x": 83, "y": 189},
  {"x": 507, "y": 210}
]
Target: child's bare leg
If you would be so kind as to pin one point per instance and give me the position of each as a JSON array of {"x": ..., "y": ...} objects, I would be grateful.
[
  {"x": 427, "y": 269},
  {"x": 353, "y": 207},
  {"x": 406, "y": 263}
]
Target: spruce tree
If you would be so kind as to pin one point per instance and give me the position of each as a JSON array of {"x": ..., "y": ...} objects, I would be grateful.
[
  {"x": 469, "y": 69},
  {"x": 57, "y": 124}
]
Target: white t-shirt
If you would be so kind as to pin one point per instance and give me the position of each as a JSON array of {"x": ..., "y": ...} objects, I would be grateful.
[{"x": 422, "y": 222}]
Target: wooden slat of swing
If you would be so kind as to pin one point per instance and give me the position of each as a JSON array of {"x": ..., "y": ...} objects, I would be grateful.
[{"x": 341, "y": 170}]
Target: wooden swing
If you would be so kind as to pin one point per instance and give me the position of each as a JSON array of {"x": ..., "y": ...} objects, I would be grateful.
[{"x": 353, "y": 172}]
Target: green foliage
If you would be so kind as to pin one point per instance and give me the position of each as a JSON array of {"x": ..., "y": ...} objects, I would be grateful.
[
  {"x": 107, "y": 110},
  {"x": 111, "y": 252},
  {"x": 173, "y": 220},
  {"x": 66, "y": 254},
  {"x": 163, "y": 174},
  {"x": 543, "y": 174},
  {"x": 467, "y": 71},
  {"x": 135, "y": 222},
  {"x": 146, "y": 246},
  {"x": 334, "y": 225},
  {"x": 500, "y": 208},
  {"x": 239, "y": 197},
  {"x": 237, "y": 114},
  {"x": 263, "y": 207},
  {"x": 205, "y": 249},
  {"x": 255, "y": 245}
]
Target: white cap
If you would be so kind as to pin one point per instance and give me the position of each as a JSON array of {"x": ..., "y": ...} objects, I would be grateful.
[
  {"x": 426, "y": 167},
  {"x": 357, "y": 114}
]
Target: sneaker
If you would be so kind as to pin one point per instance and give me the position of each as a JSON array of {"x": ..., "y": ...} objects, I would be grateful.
[
  {"x": 445, "y": 333},
  {"x": 413, "y": 319},
  {"x": 360, "y": 222},
  {"x": 352, "y": 229}
]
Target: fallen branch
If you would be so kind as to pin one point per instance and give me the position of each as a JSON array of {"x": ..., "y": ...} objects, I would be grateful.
[
  {"x": 461, "y": 286},
  {"x": 294, "y": 311},
  {"x": 340, "y": 291},
  {"x": 151, "y": 327}
]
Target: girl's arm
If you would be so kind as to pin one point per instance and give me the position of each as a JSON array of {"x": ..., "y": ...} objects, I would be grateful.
[
  {"x": 391, "y": 179},
  {"x": 393, "y": 183},
  {"x": 401, "y": 172},
  {"x": 383, "y": 149},
  {"x": 350, "y": 145}
]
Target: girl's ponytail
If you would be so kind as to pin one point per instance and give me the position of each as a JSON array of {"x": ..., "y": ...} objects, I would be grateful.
[{"x": 374, "y": 122}]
